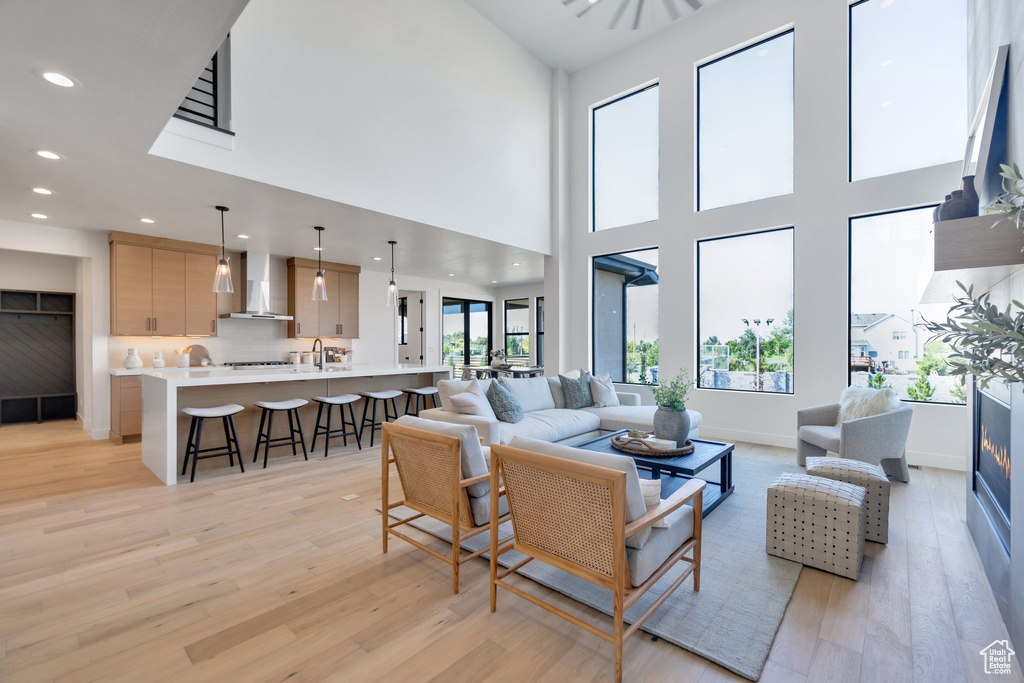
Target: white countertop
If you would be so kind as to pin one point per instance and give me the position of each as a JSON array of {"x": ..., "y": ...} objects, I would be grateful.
[
  {"x": 199, "y": 376},
  {"x": 122, "y": 372}
]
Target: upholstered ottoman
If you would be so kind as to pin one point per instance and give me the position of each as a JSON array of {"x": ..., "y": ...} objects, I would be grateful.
[
  {"x": 872, "y": 478},
  {"x": 817, "y": 522}
]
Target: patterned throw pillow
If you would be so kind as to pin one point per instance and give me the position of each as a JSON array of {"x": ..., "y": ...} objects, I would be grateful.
[
  {"x": 577, "y": 391},
  {"x": 505, "y": 405}
]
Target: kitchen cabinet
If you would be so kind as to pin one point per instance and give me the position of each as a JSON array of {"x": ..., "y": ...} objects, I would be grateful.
[
  {"x": 125, "y": 408},
  {"x": 338, "y": 317},
  {"x": 161, "y": 287}
]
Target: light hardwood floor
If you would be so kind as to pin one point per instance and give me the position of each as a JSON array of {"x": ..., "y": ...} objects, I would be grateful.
[{"x": 272, "y": 574}]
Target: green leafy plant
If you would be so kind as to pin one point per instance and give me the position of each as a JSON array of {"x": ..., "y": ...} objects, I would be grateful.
[
  {"x": 984, "y": 341},
  {"x": 922, "y": 389},
  {"x": 672, "y": 395},
  {"x": 637, "y": 434},
  {"x": 959, "y": 390},
  {"x": 877, "y": 381},
  {"x": 1010, "y": 205}
]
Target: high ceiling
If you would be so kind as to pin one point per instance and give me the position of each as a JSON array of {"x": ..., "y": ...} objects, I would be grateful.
[
  {"x": 134, "y": 62},
  {"x": 552, "y": 32}
]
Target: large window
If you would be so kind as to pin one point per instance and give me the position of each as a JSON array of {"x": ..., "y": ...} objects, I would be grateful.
[
  {"x": 625, "y": 160},
  {"x": 745, "y": 312},
  {"x": 745, "y": 124},
  {"x": 403, "y": 320},
  {"x": 887, "y": 349},
  {"x": 908, "y": 85},
  {"x": 517, "y": 331},
  {"x": 540, "y": 330},
  {"x": 626, "y": 316},
  {"x": 465, "y": 332}
]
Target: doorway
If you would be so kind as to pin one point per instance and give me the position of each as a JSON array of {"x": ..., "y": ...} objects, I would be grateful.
[
  {"x": 465, "y": 332},
  {"x": 410, "y": 327}
]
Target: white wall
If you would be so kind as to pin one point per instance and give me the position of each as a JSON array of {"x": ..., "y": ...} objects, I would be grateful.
[
  {"x": 819, "y": 208},
  {"x": 37, "y": 272},
  {"x": 422, "y": 110}
]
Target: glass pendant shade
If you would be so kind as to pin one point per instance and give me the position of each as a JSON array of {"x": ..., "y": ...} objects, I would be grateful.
[
  {"x": 319, "y": 288},
  {"x": 392, "y": 294},
  {"x": 222, "y": 279}
]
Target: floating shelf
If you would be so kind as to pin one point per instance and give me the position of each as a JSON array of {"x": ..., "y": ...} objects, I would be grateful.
[{"x": 974, "y": 251}]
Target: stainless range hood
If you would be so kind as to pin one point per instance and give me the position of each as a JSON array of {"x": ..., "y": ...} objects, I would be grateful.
[{"x": 256, "y": 274}]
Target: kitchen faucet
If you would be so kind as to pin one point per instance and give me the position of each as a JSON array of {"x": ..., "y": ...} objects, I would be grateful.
[{"x": 319, "y": 357}]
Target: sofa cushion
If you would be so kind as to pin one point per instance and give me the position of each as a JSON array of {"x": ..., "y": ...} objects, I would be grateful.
[
  {"x": 473, "y": 460},
  {"x": 577, "y": 391},
  {"x": 635, "y": 417},
  {"x": 505, "y": 404},
  {"x": 603, "y": 391},
  {"x": 660, "y": 545},
  {"x": 635, "y": 507},
  {"x": 447, "y": 387},
  {"x": 550, "y": 425},
  {"x": 533, "y": 393},
  {"x": 555, "y": 385},
  {"x": 480, "y": 506},
  {"x": 822, "y": 436},
  {"x": 473, "y": 401}
]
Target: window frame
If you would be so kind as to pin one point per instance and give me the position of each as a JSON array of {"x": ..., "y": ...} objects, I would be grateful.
[
  {"x": 526, "y": 333},
  {"x": 593, "y": 151},
  {"x": 696, "y": 326},
  {"x": 625, "y": 323},
  {"x": 466, "y": 315},
  {"x": 701, "y": 65},
  {"x": 403, "y": 320},
  {"x": 539, "y": 323}
]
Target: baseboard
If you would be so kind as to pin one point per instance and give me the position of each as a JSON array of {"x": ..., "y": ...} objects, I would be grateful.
[
  {"x": 99, "y": 434},
  {"x": 943, "y": 462}
]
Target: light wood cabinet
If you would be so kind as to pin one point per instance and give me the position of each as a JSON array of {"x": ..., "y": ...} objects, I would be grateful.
[
  {"x": 125, "y": 408},
  {"x": 161, "y": 287},
  {"x": 338, "y": 317}
]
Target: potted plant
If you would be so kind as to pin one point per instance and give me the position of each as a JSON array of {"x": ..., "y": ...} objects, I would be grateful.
[
  {"x": 498, "y": 358},
  {"x": 671, "y": 421},
  {"x": 1010, "y": 205}
]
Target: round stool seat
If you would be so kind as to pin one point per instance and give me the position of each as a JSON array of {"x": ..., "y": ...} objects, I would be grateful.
[
  {"x": 422, "y": 391},
  {"x": 341, "y": 400},
  {"x": 290, "y": 404},
  {"x": 216, "y": 411},
  {"x": 382, "y": 395}
]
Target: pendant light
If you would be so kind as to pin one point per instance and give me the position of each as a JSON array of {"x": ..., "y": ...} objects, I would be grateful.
[
  {"x": 392, "y": 287},
  {"x": 222, "y": 279},
  {"x": 319, "y": 288}
]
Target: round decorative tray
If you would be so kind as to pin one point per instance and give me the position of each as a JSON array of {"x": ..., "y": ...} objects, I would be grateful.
[{"x": 635, "y": 446}]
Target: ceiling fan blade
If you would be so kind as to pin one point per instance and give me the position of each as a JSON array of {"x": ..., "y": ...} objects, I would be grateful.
[
  {"x": 639, "y": 9},
  {"x": 695, "y": 4},
  {"x": 673, "y": 13},
  {"x": 618, "y": 13}
]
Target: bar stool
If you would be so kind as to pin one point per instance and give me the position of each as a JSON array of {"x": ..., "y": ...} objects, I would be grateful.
[
  {"x": 269, "y": 408},
  {"x": 340, "y": 401},
  {"x": 195, "y": 434},
  {"x": 375, "y": 396},
  {"x": 421, "y": 394}
]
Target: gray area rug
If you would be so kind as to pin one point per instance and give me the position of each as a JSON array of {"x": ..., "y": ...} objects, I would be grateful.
[{"x": 732, "y": 621}]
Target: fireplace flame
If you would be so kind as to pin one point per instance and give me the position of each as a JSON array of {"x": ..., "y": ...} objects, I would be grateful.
[{"x": 997, "y": 452}]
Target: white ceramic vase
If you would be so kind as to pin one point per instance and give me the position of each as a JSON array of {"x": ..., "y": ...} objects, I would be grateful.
[
  {"x": 158, "y": 360},
  {"x": 132, "y": 361}
]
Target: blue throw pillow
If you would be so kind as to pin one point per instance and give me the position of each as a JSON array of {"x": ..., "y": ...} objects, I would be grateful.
[
  {"x": 577, "y": 391},
  {"x": 505, "y": 405}
]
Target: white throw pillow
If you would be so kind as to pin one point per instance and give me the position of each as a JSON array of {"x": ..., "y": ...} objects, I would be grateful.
[
  {"x": 604, "y": 391},
  {"x": 858, "y": 402},
  {"x": 533, "y": 393},
  {"x": 651, "y": 489},
  {"x": 473, "y": 401}
]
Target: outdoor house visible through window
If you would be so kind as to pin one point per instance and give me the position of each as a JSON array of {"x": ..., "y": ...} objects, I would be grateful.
[
  {"x": 745, "y": 312},
  {"x": 517, "y": 331},
  {"x": 745, "y": 124},
  {"x": 540, "y": 330},
  {"x": 887, "y": 349},
  {"x": 625, "y": 334},
  {"x": 624, "y": 150},
  {"x": 908, "y": 85},
  {"x": 465, "y": 332}
]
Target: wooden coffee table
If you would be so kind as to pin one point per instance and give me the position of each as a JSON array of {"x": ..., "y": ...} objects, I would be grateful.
[{"x": 680, "y": 468}]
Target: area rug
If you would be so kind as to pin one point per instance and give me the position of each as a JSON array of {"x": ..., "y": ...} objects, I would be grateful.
[{"x": 732, "y": 621}]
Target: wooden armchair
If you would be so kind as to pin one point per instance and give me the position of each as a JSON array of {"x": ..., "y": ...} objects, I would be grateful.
[
  {"x": 572, "y": 515},
  {"x": 430, "y": 470}
]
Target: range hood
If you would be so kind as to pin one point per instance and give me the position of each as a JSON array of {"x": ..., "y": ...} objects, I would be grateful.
[{"x": 256, "y": 274}]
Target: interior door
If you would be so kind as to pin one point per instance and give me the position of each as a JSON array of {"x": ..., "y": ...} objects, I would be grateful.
[
  {"x": 330, "y": 322},
  {"x": 168, "y": 292},
  {"x": 200, "y": 299},
  {"x": 133, "y": 314},
  {"x": 410, "y": 327}
]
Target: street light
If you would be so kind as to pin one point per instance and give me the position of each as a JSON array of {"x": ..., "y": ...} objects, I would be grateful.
[{"x": 757, "y": 338}]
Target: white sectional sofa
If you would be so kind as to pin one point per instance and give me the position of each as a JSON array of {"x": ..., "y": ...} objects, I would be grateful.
[{"x": 545, "y": 416}]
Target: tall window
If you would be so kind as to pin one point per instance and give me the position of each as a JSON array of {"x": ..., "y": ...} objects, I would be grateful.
[
  {"x": 517, "y": 331},
  {"x": 626, "y": 316},
  {"x": 540, "y": 330},
  {"x": 908, "y": 85},
  {"x": 465, "y": 332},
  {"x": 745, "y": 312},
  {"x": 887, "y": 349},
  {"x": 745, "y": 124},
  {"x": 625, "y": 160}
]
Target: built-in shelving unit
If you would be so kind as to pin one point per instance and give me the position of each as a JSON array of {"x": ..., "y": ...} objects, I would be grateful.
[{"x": 975, "y": 250}]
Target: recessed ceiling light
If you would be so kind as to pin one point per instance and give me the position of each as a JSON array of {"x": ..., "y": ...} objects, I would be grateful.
[
  {"x": 318, "y": 248},
  {"x": 147, "y": 220},
  {"x": 41, "y": 190},
  {"x": 517, "y": 264},
  {"x": 58, "y": 79},
  {"x": 762, "y": 52},
  {"x": 376, "y": 258},
  {"x": 887, "y": 3},
  {"x": 451, "y": 274},
  {"x": 39, "y": 215},
  {"x": 887, "y": 62},
  {"x": 494, "y": 282},
  {"x": 242, "y": 237},
  {"x": 48, "y": 155},
  {"x": 886, "y": 104}
]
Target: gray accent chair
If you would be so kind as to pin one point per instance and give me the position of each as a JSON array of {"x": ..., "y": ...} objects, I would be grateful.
[{"x": 879, "y": 439}]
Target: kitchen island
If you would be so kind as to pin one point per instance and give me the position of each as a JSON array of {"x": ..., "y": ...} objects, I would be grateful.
[{"x": 164, "y": 394}]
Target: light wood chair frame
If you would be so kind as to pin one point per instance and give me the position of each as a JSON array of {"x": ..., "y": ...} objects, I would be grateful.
[
  {"x": 461, "y": 521},
  {"x": 624, "y": 595}
]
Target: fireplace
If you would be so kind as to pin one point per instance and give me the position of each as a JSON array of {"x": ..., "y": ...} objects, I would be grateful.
[{"x": 992, "y": 427}]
